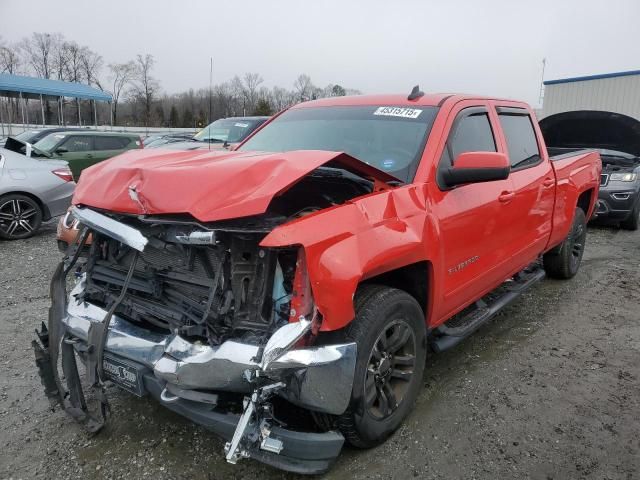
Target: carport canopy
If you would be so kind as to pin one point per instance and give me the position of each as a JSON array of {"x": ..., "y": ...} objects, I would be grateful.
[
  {"x": 44, "y": 89},
  {"x": 32, "y": 87}
]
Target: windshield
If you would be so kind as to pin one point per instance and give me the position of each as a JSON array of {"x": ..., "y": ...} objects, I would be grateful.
[
  {"x": 27, "y": 136},
  {"x": 388, "y": 138},
  {"x": 228, "y": 130},
  {"x": 49, "y": 142}
]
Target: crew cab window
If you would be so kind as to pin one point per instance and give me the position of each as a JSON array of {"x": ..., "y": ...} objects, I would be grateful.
[
  {"x": 521, "y": 140},
  {"x": 473, "y": 134},
  {"x": 77, "y": 144},
  {"x": 109, "y": 143}
]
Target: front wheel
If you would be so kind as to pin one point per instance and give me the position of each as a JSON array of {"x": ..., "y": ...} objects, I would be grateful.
[
  {"x": 564, "y": 261},
  {"x": 389, "y": 330}
]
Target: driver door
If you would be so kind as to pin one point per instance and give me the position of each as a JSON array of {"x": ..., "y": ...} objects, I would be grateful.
[{"x": 475, "y": 219}]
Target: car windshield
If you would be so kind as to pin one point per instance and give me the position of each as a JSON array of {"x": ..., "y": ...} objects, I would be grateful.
[
  {"x": 228, "y": 130},
  {"x": 386, "y": 137},
  {"x": 49, "y": 142},
  {"x": 150, "y": 139},
  {"x": 27, "y": 136}
]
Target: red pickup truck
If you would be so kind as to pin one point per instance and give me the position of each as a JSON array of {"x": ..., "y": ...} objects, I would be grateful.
[{"x": 285, "y": 294}]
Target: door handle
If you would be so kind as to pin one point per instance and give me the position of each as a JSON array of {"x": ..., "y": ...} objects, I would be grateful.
[
  {"x": 548, "y": 182},
  {"x": 506, "y": 197}
]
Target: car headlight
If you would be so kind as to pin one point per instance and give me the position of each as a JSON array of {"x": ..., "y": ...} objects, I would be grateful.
[
  {"x": 624, "y": 177},
  {"x": 69, "y": 221}
]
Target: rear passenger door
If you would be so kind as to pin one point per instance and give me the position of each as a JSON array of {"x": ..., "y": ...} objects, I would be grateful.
[
  {"x": 533, "y": 183},
  {"x": 108, "y": 146}
]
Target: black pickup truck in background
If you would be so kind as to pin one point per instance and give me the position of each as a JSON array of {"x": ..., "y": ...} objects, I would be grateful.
[{"x": 617, "y": 138}]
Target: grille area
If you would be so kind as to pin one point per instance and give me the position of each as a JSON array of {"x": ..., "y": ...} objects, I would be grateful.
[{"x": 208, "y": 291}]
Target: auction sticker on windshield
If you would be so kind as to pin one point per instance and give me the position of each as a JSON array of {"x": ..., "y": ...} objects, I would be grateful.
[{"x": 398, "y": 112}]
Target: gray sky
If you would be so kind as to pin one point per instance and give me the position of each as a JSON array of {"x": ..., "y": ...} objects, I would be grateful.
[{"x": 492, "y": 47}]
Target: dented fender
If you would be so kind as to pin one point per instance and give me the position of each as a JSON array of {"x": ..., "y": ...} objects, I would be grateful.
[{"x": 360, "y": 239}]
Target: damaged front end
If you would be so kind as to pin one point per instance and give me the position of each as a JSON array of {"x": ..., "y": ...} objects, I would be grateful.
[{"x": 206, "y": 321}]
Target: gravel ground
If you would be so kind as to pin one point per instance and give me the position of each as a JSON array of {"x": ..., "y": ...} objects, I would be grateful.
[{"x": 549, "y": 389}]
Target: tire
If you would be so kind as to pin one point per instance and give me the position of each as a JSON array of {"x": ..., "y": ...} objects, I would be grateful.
[
  {"x": 384, "y": 317},
  {"x": 563, "y": 262},
  {"x": 20, "y": 216},
  {"x": 633, "y": 220}
]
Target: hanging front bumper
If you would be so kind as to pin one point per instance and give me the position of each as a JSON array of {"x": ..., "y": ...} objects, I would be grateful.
[
  {"x": 318, "y": 378},
  {"x": 187, "y": 377}
]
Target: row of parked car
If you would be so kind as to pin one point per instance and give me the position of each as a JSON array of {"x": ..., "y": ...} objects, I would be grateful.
[{"x": 39, "y": 168}]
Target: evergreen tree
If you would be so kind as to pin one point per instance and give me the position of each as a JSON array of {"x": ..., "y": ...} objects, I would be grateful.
[
  {"x": 187, "y": 119},
  {"x": 263, "y": 107},
  {"x": 173, "y": 117},
  {"x": 160, "y": 115}
]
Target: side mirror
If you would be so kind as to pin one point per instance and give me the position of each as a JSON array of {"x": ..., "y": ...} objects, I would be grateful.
[
  {"x": 61, "y": 150},
  {"x": 475, "y": 167}
]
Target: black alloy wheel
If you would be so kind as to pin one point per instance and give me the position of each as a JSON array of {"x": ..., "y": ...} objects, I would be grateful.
[
  {"x": 578, "y": 237},
  {"x": 390, "y": 333},
  {"x": 390, "y": 369},
  {"x": 563, "y": 262}
]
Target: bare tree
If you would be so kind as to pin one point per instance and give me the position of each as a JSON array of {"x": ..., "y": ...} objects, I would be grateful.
[
  {"x": 39, "y": 51},
  {"x": 303, "y": 87},
  {"x": 146, "y": 86},
  {"x": 10, "y": 61},
  {"x": 67, "y": 62},
  {"x": 251, "y": 83},
  {"x": 121, "y": 76},
  {"x": 91, "y": 64}
]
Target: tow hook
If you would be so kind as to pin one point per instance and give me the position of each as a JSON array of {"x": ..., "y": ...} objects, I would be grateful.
[{"x": 254, "y": 426}]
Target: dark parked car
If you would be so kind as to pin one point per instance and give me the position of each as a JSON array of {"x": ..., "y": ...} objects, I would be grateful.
[
  {"x": 33, "y": 136},
  {"x": 86, "y": 148},
  {"x": 617, "y": 138}
]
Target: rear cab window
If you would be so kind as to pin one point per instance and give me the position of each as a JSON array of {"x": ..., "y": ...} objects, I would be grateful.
[
  {"x": 522, "y": 144},
  {"x": 110, "y": 143}
]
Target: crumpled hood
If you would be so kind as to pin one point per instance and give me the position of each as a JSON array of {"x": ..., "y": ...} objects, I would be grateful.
[{"x": 208, "y": 185}]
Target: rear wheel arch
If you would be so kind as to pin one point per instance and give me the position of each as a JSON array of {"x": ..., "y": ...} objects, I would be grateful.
[{"x": 584, "y": 201}]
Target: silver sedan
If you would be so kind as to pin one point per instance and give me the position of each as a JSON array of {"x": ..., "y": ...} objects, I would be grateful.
[{"x": 32, "y": 190}]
